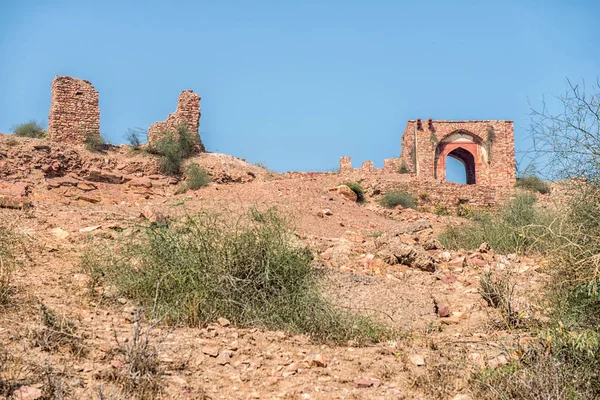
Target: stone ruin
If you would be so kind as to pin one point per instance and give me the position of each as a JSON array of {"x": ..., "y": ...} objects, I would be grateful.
[
  {"x": 75, "y": 114},
  {"x": 74, "y": 111},
  {"x": 486, "y": 149},
  {"x": 187, "y": 114}
]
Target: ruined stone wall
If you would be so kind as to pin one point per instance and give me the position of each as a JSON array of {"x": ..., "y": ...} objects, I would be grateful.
[
  {"x": 74, "y": 110},
  {"x": 424, "y": 141},
  {"x": 187, "y": 113},
  {"x": 389, "y": 165}
]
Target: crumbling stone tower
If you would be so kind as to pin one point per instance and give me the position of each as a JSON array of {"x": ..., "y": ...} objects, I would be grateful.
[
  {"x": 74, "y": 111},
  {"x": 486, "y": 148},
  {"x": 187, "y": 113}
]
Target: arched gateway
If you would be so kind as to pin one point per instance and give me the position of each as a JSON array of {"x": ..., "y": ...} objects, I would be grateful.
[{"x": 485, "y": 148}]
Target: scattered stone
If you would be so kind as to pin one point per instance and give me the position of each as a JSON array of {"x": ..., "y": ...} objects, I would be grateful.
[
  {"x": 90, "y": 229},
  {"x": 451, "y": 320},
  {"x": 497, "y": 361},
  {"x": 223, "y": 322},
  {"x": 107, "y": 177},
  {"x": 224, "y": 357},
  {"x": 87, "y": 198},
  {"x": 324, "y": 212},
  {"x": 86, "y": 187},
  {"x": 417, "y": 359},
  {"x": 484, "y": 248},
  {"x": 445, "y": 256},
  {"x": 413, "y": 227},
  {"x": 59, "y": 233},
  {"x": 345, "y": 191},
  {"x": 319, "y": 361},
  {"x": 414, "y": 257},
  {"x": 212, "y": 351},
  {"x": 153, "y": 215},
  {"x": 27, "y": 393},
  {"x": 15, "y": 203},
  {"x": 362, "y": 383},
  {"x": 141, "y": 182},
  {"x": 432, "y": 244}
]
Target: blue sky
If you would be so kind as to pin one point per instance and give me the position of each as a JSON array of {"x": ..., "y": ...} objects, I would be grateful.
[{"x": 297, "y": 84}]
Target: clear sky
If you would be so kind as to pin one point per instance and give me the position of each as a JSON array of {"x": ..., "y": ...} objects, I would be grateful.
[{"x": 297, "y": 84}]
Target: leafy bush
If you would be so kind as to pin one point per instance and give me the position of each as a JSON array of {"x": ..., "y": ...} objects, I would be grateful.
[
  {"x": 356, "y": 188},
  {"x": 250, "y": 271},
  {"x": 533, "y": 184},
  {"x": 514, "y": 228},
  {"x": 196, "y": 177},
  {"x": 173, "y": 148},
  {"x": 31, "y": 129},
  {"x": 93, "y": 142},
  {"x": 393, "y": 199}
]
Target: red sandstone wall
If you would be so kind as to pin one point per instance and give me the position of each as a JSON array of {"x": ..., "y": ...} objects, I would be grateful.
[
  {"x": 74, "y": 111},
  {"x": 187, "y": 113}
]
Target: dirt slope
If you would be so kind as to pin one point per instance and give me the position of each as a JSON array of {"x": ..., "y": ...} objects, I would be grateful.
[{"x": 75, "y": 195}]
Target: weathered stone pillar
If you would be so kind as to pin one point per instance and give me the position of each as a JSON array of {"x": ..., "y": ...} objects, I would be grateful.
[
  {"x": 74, "y": 111},
  {"x": 187, "y": 113},
  {"x": 345, "y": 164}
]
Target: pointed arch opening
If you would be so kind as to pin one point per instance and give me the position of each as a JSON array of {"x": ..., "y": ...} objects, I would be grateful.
[{"x": 468, "y": 161}]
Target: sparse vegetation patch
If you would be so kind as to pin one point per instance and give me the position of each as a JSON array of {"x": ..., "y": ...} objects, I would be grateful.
[
  {"x": 250, "y": 271},
  {"x": 399, "y": 197},
  {"x": 31, "y": 129}
]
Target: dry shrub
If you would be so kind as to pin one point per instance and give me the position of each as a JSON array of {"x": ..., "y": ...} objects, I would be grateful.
[
  {"x": 498, "y": 288},
  {"x": 140, "y": 375},
  {"x": 57, "y": 333},
  {"x": 8, "y": 262},
  {"x": 443, "y": 375}
]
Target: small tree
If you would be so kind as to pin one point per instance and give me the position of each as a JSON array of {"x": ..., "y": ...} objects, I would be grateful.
[
  {"x": 569, "y": 140},
  {"x": 134, "y": 137}
]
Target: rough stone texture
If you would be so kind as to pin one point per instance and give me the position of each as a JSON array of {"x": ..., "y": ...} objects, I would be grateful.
[
  {"x": 367, "y": 165},
  {"x": 391, "y": 164},
  {"x": 345, "y": 164},
  {"x": 74, "y": 111},
  {"x": 187, "y": 113},
  {"x": 485, "y": 147}
]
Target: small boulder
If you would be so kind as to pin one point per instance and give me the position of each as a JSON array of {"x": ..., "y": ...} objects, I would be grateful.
[{"x": 414, "y": 257}]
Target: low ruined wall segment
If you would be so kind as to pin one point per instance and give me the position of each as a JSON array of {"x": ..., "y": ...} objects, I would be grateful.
[
  {"x": 187, "y": 113},
  {"x": 74, "y": 111}
]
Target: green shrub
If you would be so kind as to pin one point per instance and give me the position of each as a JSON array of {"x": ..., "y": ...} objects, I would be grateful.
[
  {"x": 250, "y": 271},
  {"x": 173, "y": 148},
  {"x": 403, "y": 168},
  {"x": 196, "y": 177},
  {"x": 514, "y": 228},
  {"x": 356, "y": 188},
  {"x": 533, "y": 184},
  {"x": 261, "y": 165},
  {"x": 393, "y": 199},
  {"x": 93, "y": 142},
  {"x": 31, "y": 129},
  {"x": 441, "y": 210}
]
